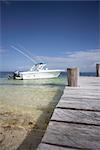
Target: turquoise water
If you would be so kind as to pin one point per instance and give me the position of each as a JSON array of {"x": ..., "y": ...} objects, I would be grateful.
[
  {"x": 25, "y": 110},
  {"x": 30, "y": 96},
  {"x": 26, "y": 107},
  {"x": 29, "y": 92}
]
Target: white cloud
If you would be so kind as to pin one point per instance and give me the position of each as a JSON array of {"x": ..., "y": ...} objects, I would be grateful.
[{"x": 85, "y": 60}]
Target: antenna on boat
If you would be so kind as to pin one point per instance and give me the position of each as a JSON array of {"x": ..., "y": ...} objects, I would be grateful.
[{"x": 20, "y": 51}]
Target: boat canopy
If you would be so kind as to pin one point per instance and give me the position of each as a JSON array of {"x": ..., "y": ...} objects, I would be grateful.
[{"x": 38, "y": 66}]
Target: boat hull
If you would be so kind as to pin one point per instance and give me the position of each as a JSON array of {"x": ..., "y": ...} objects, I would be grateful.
[{"x": 39, "y": 75}]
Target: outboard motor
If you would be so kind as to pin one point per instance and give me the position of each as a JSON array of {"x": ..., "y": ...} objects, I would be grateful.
[{"x": 14, "y": 75}]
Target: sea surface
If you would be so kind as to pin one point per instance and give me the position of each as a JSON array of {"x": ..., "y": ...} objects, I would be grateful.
[
  {"x": 26, "y": 107},
  {"x": 31, "y": 95}
]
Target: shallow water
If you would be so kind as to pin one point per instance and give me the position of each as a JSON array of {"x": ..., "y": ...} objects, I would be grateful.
[
  {"x": 26, "y": 106},
  {"x": 25, "y": 109},
  {"x": 27, "y": 95},
  {"x": 30, "y": 97}
]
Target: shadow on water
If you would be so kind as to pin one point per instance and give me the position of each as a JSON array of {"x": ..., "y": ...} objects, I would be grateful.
[{"x": 34, "y": 137}]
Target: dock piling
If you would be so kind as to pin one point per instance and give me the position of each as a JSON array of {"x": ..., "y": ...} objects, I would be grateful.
[
  {"x": 98, "y": 70},
  {"x": 73, "y": 75}
]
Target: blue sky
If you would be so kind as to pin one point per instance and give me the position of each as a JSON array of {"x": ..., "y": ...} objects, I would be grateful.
[{"x": 61, "y": 34}]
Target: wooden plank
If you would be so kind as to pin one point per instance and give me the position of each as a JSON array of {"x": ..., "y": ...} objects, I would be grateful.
[
  {"x": 44, "y": 146},
  {"x": 91, "y": 96},
  {"x": 76, "y": 120},
  {"x": 81, "y": 90},
  {"x": 75, "y": 98},
  {"x": 73, "y": 135},
  {"x": 86, "y": 83},
  {"x": 89, "y": 82},
  {"x": 86, "y": 104},
  {"x": 87, "y": 79},
  {"x": 76, "y": 116},
  {"x": 82, "y": 93}
]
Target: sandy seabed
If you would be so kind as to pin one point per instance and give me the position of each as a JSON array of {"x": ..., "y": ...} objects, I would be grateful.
[
  {"x": 22, "y": 131},
  {"x": 25, "y": 110}
]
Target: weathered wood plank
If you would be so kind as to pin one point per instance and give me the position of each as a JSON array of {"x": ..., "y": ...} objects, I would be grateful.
[
  {"x": 76, "y": 119},
  {"x": 91, "y": 96},
  {"x": 74, "y": 98},
  {"x": 89, "y": 82},
  {"x": 43, "y": 146},
  {"x": 76, "y": 116},
  {"x": 82, "y": 92},
  {"x": 73, "y": 135},
  {"x": 86, "y": 104},
  {"x": 80, "y": 89}
]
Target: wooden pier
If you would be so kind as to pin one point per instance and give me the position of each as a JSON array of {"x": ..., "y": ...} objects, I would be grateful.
[{"x": 75, "y": 123}]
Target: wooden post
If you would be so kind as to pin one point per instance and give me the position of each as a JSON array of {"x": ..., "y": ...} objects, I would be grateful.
[
  {"x": 98, "y": 70},
  {"x": 72, "y": 75}
]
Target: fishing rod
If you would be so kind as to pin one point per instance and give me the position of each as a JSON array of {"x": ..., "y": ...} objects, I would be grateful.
[
  {"x": 20, "y": 51},
  {"x": 37, "y": 58}
]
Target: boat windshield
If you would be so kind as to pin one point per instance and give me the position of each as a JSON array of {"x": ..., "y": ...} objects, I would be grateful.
[{"x": 37, "y": 67}]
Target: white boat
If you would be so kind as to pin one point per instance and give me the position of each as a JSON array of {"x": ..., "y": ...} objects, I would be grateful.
[{"x": 38, "y": 71}]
